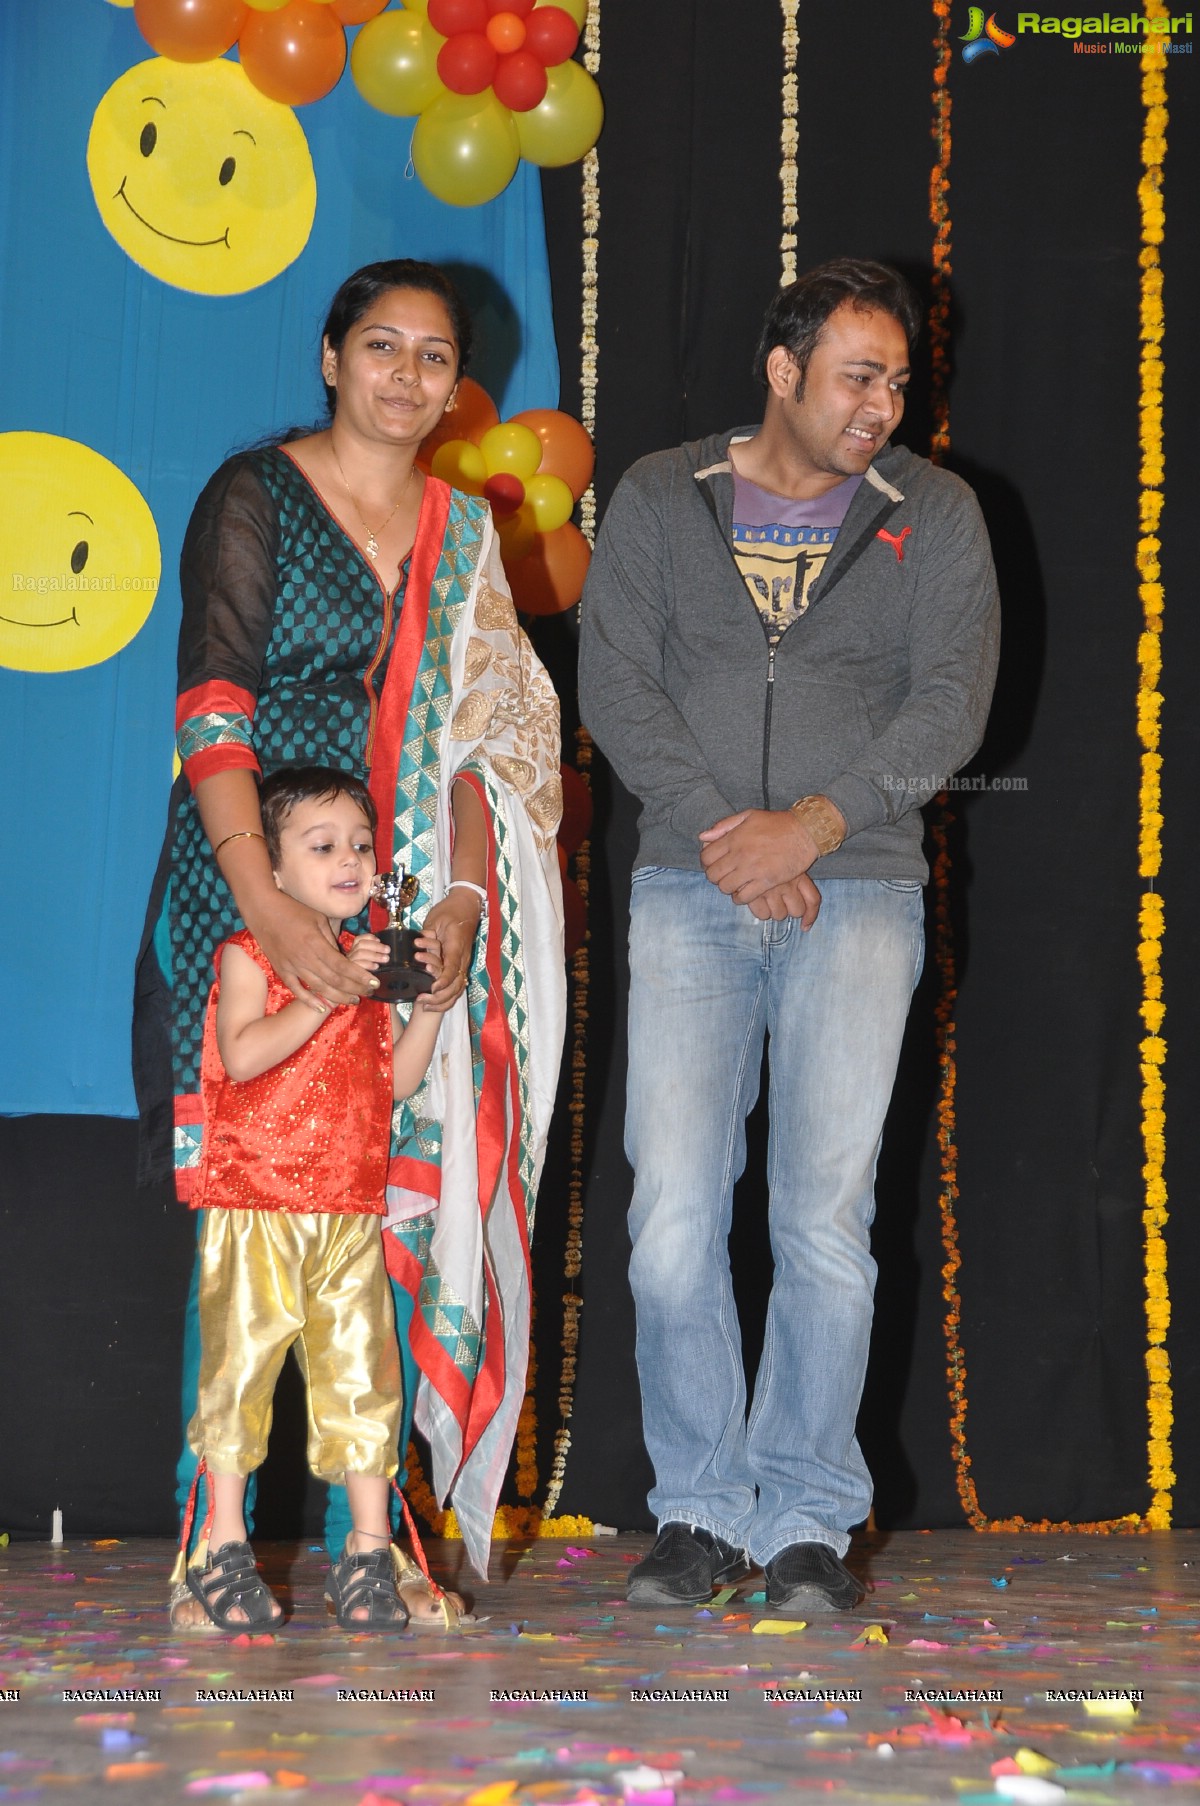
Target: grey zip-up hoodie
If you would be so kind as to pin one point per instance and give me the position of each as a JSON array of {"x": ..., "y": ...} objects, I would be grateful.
[{"x": 873, "y": 698}]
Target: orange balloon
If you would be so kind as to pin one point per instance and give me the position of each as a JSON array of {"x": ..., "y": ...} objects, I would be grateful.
[
  {"x": 567, "y": 451},
  {"x": 472, "y": 413},
  {"x": 190, "y": 31},
  {"x": 296, "y": 55},
  {"x": 357, "y": 12},
  {"x": 551, "y": 578}
]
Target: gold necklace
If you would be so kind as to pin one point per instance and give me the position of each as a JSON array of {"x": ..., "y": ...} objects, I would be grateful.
[{"x": 372, "y": 547}]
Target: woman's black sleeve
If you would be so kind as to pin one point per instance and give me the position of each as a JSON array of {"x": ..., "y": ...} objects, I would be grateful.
[{"x": 228, "y": 578}]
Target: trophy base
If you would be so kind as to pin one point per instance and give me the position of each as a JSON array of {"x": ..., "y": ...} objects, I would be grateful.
[{"x": 401, "y": 979}]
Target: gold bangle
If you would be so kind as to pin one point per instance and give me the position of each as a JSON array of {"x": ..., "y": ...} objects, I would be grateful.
[
  {"x": 823, "y": 820},
  {"x": 242, "y": 834}
]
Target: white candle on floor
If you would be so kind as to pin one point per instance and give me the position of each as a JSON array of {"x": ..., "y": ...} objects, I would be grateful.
[{"x": 56, "y": 1534}]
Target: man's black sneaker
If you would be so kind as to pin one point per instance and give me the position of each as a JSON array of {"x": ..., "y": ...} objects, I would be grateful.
[
  {"x": 685, "y": 1567},
  {"x": 808, "y": 1577}
]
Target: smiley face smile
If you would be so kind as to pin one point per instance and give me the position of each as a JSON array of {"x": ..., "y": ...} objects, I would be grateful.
[
  {"x": 12, "y": 621},
  {"x": 198, "y": 242}
]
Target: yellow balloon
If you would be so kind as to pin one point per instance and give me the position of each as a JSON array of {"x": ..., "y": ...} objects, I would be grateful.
[
  {"x": 267, "y": 6},
  {"x": 464, "y": 148},
  {"x": 566, "y": 124},
  {"x": 459, "y": 463},
  {"x": 512, "y": 448},
  {"x": 79, "y": 557},
  {"x": 201, "y": 179},
  {"x": 576, "y": 8},
  {"x": 418, "y": 6},
  {"x": 394, "y": 63},
  {"x": 551, "y": 501}
]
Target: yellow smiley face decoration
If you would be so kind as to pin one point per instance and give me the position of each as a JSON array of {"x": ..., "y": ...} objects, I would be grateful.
[
  {"x": 79, "y": 557},
  {"x": 201, "y": 179}
]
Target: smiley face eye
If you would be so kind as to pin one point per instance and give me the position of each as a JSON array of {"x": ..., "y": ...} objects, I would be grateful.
[
  {"x": 227, "y": 169},
  {"x": 79, "y": 556},
  {"x": 148, "y": 139}
]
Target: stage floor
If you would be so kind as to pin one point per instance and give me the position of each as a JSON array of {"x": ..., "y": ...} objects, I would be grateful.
[{"x": 1026, "y": 1649}]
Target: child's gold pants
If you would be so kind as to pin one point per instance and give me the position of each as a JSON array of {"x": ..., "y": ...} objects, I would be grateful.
[{"x": 271, "y": 1279}]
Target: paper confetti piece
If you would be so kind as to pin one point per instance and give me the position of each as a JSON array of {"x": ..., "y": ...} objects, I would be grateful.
[
  {"x": 134, "y": 1771},
  {"x": 243, "y": 1783},
  {"x": 874, "y": 1633},
  {"x": 925, "y": 1643},
  {"x": 1001, "y": 1581},
  {"x": 1025, "y": 1762},
  {"x": 778, "y": 1627},
  {"x": 287, "y": 1777},
  {"x": 724, "y": 1596},
  {"x": 1031, "y": 1789},
  {"x": 492, "y": 1794},
  {"x": 643, "y": 1778},
  {"x": 1110, "y": 1708}
]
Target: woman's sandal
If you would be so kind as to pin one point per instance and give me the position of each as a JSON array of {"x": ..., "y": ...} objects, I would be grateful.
[
  {"x": 427, "y": 1612},
  {"x": 366, "y": 1580},
  {"x": 228, "y": 1582}
]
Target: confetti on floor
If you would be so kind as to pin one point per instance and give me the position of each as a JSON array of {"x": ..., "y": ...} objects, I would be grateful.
[{"x": 1082, "y": 1683}]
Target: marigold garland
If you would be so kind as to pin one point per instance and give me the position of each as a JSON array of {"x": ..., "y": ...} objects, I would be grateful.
[
  {"x": 1151, "y": 914},
  {"x": 1149, "y": 704},
  {"x": 789, "y": 140}
]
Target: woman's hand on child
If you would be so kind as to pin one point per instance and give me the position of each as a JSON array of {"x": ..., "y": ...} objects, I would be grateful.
[
  {"x": 429, "y": 955},
  {"x": 301, "y": 946}
]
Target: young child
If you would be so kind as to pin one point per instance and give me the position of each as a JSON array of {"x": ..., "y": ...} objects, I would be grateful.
[{"x": 297, "y": 1113}]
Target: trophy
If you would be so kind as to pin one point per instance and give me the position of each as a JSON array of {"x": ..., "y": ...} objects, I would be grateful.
[{"x": 401, "y": 979}]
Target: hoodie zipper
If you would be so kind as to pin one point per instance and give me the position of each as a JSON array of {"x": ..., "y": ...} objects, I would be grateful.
[{"x": 772, "y": 645}]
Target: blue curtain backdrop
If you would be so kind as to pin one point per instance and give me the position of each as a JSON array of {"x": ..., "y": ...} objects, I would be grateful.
[{"x": 164, "y": 383}]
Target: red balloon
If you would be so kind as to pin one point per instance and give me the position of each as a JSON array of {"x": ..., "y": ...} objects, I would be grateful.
[
  {"x": 357, "y": 12},
  {"x": 551, "y": 34},
  {"x": 551, "y": 577},
  {"x": 522, "y": 8},
  {"x": 576, "y": 822},
  {"x": 190, "y": 31},
  {"x": 520, "y": 81},
  {"x": 296, "y": 55},
  {"x": 574, "y": 917},
  {"x": 466, "y": 63},
  {"x": 450, "y": 16},
  {"x": 505, "y": 493}
]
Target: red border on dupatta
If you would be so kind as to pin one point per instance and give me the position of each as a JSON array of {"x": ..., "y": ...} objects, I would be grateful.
[{"x": 395, "y": 698}]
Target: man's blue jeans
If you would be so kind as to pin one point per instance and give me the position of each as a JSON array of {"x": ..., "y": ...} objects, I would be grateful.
[{"x": 708, "y": 979}]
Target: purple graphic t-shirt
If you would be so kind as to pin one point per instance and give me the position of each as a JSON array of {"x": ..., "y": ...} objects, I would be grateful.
[{"x": 781, "y": 546}]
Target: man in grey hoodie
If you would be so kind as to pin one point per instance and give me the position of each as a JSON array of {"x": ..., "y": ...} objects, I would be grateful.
[{"x": 789, "y": 643}]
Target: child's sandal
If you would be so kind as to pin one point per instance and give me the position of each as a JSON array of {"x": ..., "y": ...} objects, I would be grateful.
[
  {"x": 366, "y": 1580},
  {"x": 228, "y": 1582}
]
